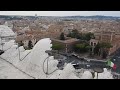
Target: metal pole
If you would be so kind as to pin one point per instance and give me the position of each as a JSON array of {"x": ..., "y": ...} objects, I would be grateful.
[
  {"x": 47, "y": 69},
  {"x": 47, "y": 66},
  {"x": 66, "y": 48}
]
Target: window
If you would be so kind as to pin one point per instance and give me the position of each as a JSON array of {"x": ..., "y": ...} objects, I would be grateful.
[
  {"x": 94, "y": 44},
  {"x": 91, "y": 43}
]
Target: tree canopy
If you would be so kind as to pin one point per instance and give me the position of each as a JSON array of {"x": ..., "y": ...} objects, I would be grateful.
[
  {"x": 57, "y": 47},
  {"x": 105, "y": 45},
  {"x": 20, "y": 43},
  {"x": 30, "y": 46},
  {"x": 101, "y": 49},
  {"x": 82, "y": 36},
  {"x": 88, "y": 36},
  {"x": 62, "y": 37},
  {"x": 82, "y": 47},
  {"x": 74, "y": 34}
]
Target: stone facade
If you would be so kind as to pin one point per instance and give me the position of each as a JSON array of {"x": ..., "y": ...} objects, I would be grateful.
[
  {"x": 110, "y": 37},
  {"x": 93, "y": 43},
  {"x": 25, "y": 40}
]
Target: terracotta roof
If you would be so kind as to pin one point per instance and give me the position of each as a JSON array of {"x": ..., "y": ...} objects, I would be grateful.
[{"x": 24, "y": 37}]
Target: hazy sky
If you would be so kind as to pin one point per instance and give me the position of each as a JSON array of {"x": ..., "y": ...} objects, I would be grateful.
[{"x": 61, "y": 13}]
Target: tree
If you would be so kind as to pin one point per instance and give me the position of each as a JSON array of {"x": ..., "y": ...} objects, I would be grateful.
[
  {"x": 82, "y": 36},
  {"x": 20, "y": 43},
  {"x": 105, "y": 45},
  {"x": 82, "y": 47},
  {"x": 97, "y": 49},
  {"x": 74, "y": 34},
  {"x": 30, "y": 46},
  {"x": 88, "y": 48},
  {"x": 88, "y": 36},
  {"x": 102, "y": 49},
  {"x": 57, "y": 47},
  {"x": 62, "y": 37},
  {"x": 69, "y": 34}
]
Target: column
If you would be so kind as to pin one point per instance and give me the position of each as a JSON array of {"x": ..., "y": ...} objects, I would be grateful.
[{"x": 66, "y": 48}]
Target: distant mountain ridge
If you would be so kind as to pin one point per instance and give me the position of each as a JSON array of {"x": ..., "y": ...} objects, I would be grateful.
[
  {"x": 10, "y": 17},
  {"x": 99, "y": 17}
]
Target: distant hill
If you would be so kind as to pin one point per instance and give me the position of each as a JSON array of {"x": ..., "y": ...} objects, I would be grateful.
[
  {"x": 66, "y": 18},
  {"x": 8, "y": 17},
  {"x": 98, "y": 17}
]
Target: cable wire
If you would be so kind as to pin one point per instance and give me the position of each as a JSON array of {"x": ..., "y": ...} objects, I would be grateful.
[{"x": 47, "y": 67}]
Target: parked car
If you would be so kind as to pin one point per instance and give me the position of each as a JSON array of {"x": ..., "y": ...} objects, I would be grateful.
[
  {"x": 88, "y": 66},
  {"x": 1, "y": 52}
]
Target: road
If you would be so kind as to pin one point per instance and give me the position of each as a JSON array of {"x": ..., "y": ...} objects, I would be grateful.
[
  {"x": 9, "y": 71},
  {"x": 79, "y": 63}
]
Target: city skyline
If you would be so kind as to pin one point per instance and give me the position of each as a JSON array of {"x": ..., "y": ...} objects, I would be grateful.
[{"x": 61, "y": 13}]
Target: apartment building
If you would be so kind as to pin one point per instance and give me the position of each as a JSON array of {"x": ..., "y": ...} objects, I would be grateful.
[{"x": 110, "y": 37}]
